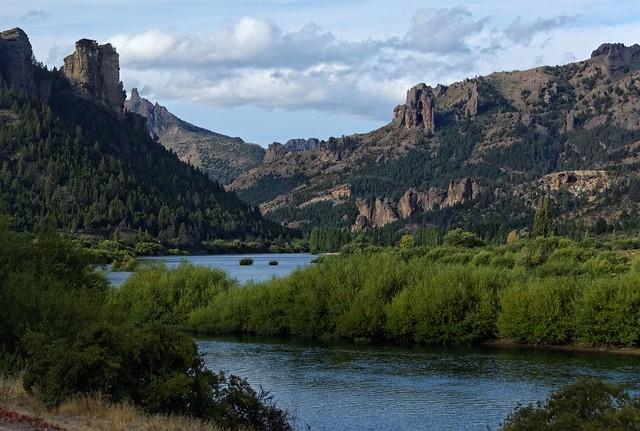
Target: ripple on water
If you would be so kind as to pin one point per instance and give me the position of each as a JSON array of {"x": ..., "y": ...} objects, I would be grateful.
[{"x": 381, "y": 388}]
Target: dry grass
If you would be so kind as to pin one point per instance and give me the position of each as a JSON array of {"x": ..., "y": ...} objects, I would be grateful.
[{"x": 86, "y": 413}]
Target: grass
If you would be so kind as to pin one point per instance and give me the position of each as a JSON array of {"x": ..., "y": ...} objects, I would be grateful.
[{"x": 93, "y": 413}]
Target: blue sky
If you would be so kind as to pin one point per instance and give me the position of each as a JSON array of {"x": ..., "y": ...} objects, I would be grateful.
[{"x": 270, "y": 70}]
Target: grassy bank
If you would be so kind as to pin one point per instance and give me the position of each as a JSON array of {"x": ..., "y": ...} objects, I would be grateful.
[
  {"x": 93, "y": 413},
  {"x": 547, "y": 291}
]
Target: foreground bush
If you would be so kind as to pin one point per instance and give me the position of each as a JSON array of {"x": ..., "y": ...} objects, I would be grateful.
[
  {"x": 588, "y": 405},
  {"x": 157, "y": 295},
  {"x": 156, "y": 369}
]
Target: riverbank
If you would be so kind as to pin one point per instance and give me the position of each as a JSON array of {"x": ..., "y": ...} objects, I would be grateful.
[
  {"x": 88, "y": 413},
  {"x": 511, "y": 344}
]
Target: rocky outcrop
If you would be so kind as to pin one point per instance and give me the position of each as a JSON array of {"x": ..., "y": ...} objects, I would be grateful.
[
  {"x": 418, "y": 110},
  {"x": 617, "y": 57},
  {"x": 385, "y": 211},
  {"x": 298, "y": 145},
  {"x": 16, "y": 61},
  {"x": 471, "y": 106},
  {"x": 461, "y": 191},
  {"x": 275, "y": 152},
  {"x": 94, "y": 70}
]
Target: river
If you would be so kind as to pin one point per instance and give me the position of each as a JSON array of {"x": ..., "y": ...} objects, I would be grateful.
[
  {"x": 259, "y": 271},
  {"x": 348, "y": 387}
]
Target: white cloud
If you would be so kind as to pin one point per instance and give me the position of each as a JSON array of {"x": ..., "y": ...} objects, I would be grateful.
[
  {"x": 442, "y": 30},
  {"x": 252, "y": 61},
  {"x": 523, "y": 32}
]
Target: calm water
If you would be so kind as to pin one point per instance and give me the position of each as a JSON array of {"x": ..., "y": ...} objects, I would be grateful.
[
  {"x": 386, "y": 388},
  {"x": 259, "y": 271}
]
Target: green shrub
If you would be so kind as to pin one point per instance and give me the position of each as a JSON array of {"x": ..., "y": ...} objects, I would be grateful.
[
  {"x": 454, "y": 305},
  {"x": 156, "y": 294},
  {"x": 460, "y": 238},
  {"x": 587, "y": 405},
  {"x": 608, "y": 312},
  {"x": 246, "y": 261},
  {"x": 538, "y": 311},
  {"x": 156, "y": 368}
]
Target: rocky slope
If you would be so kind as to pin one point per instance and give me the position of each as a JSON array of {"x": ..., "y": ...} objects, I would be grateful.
[
  {"x": 220, "y": 156},
  {"x": 478, "y": 152},
  {"x": 72, "y": 158}
]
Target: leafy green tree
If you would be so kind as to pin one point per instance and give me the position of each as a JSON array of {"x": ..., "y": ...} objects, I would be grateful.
[
  {"x": 587, "y": 405},
  {"x": 543, "y": 223},
  {"x": 407, "y": 242}
]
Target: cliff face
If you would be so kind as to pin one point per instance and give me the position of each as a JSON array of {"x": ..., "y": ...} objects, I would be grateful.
[
  {"x": 221, "y": 157},
  {"x": 95, "y": 72},
  {"x": 511, "y": 132},
  {"x": 16, "y": 61}
]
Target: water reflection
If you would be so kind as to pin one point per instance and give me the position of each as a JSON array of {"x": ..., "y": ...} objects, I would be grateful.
[{"x": 350, "y": 387}]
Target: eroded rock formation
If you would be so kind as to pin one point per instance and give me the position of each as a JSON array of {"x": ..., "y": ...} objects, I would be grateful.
[
  {"x": 16, "y": 61},
  {"x": 274, "y": 152},
  {"x": 617, "y": 57},
  {"x": 95, "y": 72},
  {"x": 384, "y": 211},
  {"x": 418, "y": 110}
]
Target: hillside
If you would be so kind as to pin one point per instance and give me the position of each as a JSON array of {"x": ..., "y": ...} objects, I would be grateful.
[
  {"x": 221, "y": 157},
  {"x": 478, "y": 153},
  {"x": 71, "y": 158}
]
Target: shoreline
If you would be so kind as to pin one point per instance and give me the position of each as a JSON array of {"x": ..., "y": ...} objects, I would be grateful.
[{"x": 507, "y": 344}]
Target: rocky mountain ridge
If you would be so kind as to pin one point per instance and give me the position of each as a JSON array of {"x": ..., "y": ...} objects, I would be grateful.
[
  {"x": 221, "y": 157},
  {"x": 509, "y": 134}
]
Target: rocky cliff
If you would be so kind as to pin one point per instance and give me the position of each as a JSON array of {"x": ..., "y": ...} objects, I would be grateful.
[
  {"x": 94, "y": 70},
  {"x": 16, "y": 61},
  {"x": 221, "y": 157},
  {"x": 572, "y": 131}
]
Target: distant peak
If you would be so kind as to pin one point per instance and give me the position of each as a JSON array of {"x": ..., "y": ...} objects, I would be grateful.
[
  {"x": 617, "y": 57},
  {"x": 134, "y": 94}
]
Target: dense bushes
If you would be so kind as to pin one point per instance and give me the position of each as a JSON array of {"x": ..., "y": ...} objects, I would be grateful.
[
  {"x": 546, "y": 291},
  {"x": 157, "y": 295},
  {"x": 583, "y": 406},
  {"x": 59, "y": 322},
  {"x": 155, "y": 368}
]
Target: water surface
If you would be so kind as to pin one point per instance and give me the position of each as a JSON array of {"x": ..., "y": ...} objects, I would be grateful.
[
  {"x": 259, "y": 271},
  {"x": 346, "y": 387}
]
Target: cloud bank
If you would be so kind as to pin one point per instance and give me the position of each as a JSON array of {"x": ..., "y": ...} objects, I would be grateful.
[{"x": 254, "y": 62}]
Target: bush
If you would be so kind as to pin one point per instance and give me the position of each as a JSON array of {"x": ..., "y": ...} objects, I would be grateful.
[
  {"x": 156, "y": 368},
  {"x": 583, "y": 406},
  {"x": 246, "y": 261},
  {"x": 608, "y": 313},
  {"x": 157, "y": 295},
  {"x": 460, "y": 238},
  {"x": 538, "y": 311},
  {"x": 456, "y": 305}
]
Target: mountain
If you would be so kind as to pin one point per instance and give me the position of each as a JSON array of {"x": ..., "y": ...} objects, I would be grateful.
[
  {"x": 220, "y": 156},
  {"x": 72, "y": 158},
  {"x": 478, "y": 153}
]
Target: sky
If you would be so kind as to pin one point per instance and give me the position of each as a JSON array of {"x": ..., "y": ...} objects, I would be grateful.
[{"x": 271, "y": 70}]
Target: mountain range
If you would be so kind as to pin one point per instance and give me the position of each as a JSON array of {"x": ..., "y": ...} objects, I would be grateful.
[{"x": 479, "y": 153}]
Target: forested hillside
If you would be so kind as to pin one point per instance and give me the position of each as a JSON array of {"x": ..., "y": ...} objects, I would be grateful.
[{"x": 71, "y": 162}]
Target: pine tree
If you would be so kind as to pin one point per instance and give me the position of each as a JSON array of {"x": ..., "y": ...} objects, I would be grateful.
[{"x": 542, "y": 223}]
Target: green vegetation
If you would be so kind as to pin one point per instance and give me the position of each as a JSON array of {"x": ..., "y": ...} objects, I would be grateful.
[
  {"x": 76, "y": 167},
  {"x": 246, "y": 261},
  {"x": 543, "y": 291},
  {"x": 72, "y": 335},
  {"x": 587, "y": 405}
]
